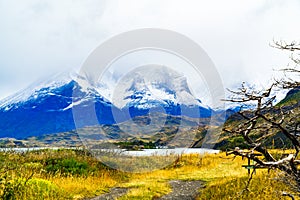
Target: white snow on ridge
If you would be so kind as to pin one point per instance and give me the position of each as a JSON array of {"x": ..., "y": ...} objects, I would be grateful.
[
  {"x": 160, "y": 94},
  {"x": 33, "y": 91},
  {"x": 150, "y": 84},
  {"x": 143, "y": 88},
  {"x": 72, "y": 104}
]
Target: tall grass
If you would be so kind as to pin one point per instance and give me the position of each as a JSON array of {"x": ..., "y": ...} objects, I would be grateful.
[
  {"x": 75, "y": 174},
  {"x": 224, "y": 177},
  {"x": 54, "y": 174}
]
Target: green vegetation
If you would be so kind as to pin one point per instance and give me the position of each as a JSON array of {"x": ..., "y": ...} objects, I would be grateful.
[
  {"x": 75, "y": 174},
  {"x": 292, "y": 98},
  {"x": 53, "y": 174},
  {"x": 136, "y": 145},
  {"x": 68, "y": 167},
  {"x": 276, "y": 139}
]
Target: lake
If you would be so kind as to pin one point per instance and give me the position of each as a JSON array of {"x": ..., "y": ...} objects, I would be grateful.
[
  {"x": 144, "y": 152},
  {"x": 164, "y": 152}
]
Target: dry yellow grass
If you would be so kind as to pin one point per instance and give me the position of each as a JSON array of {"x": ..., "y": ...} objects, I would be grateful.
[
  {"x": 225, "y": 179},
  {"x": 80, "y": 187}
]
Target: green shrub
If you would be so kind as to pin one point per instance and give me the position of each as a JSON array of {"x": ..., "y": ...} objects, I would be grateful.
[
  {"x": 68, "y": 166},
  {"x": 40, "y": 189},
  {"x": 10, "y": 187}
]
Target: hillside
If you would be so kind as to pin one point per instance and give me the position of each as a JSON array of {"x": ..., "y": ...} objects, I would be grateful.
[
  {"x": 141, "y": 130},
  {"x": 292, "y": 98},
  {"x": 290, "y": 105}
]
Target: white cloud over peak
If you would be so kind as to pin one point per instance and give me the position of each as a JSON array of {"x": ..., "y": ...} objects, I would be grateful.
[{"x": 39, "y": 38}]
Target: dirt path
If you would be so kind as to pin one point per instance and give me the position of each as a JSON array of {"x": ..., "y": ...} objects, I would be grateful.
[
  {"x": 181, "y": 190},
  {"x": 113, "y": 194},
  {"x": 184, "y": 190}
]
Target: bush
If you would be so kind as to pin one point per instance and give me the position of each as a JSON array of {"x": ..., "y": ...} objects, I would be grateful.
[
  {"x": 41, "y": 189},
  {"x": 68, "y": 166},
  {"x": 10, "y": 187}
]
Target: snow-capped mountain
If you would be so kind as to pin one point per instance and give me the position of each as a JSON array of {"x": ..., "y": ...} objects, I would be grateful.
[
  {"x": 154, "y": 83},
  {"x": 157, "y": 87},
  {"x": 47, "y": 107}
]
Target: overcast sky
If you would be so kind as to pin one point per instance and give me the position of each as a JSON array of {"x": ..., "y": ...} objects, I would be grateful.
[{"x": 39, "y": 38}]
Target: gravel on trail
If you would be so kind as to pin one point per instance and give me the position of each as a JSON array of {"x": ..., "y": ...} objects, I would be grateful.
[
  {"x": 184, "y": 190},
  {"x": 181, "y": 190},
  {"x": 113, "y": 194}
]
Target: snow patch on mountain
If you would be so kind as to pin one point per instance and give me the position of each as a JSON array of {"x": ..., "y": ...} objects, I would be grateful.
[
  {"x": 70, "y": 106},
  {"x": 146, "y": 87},
  {"x": 34, "y": 91},
  {"x": 150, "y": 85}
]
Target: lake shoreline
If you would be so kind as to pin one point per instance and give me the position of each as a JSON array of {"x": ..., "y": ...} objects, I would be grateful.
[{"x": 142, "y": 152}]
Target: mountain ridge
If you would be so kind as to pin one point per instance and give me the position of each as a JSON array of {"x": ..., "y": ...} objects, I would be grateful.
[{"x": 47, "y": 108}]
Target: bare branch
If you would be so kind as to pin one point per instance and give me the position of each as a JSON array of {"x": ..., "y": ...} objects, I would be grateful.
[{"x": 264, "y": 121}]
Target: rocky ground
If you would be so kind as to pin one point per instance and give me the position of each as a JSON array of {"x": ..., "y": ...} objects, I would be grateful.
[{"x": 181, "y": 190}]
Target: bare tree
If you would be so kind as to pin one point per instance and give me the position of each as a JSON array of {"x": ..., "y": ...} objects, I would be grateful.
[{"x": 265, "y": 120}]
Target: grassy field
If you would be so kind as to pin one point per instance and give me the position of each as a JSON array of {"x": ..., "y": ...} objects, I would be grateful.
[{"x": 74, "y": 174}]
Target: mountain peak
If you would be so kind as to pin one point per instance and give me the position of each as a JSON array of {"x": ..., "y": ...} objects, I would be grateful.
[
  {"x": 151, "y": 84},
  {"x": 48, "y": 106}
]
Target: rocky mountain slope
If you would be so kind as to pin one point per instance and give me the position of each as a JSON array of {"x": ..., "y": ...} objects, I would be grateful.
[{"x": 47, "y": 107}]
